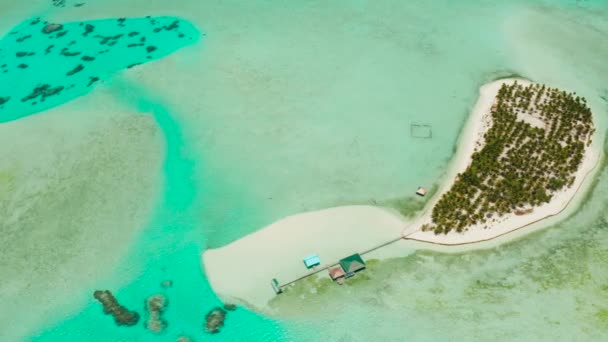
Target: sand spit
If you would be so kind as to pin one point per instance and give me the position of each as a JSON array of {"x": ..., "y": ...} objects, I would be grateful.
[
  {"x": 478, "y": 123},
  {"x": 243, "y": 270}
]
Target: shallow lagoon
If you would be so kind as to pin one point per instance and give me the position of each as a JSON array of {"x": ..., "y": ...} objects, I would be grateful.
[{"x": 304, "y": 106}]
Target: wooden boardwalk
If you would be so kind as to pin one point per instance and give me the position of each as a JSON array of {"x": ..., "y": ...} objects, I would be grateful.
[{"x": 324, "y": 268}]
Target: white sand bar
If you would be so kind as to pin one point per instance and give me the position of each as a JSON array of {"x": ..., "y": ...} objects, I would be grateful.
[
  {"x": 243, "y": 270},
  {"x": 478, "y": 123}
]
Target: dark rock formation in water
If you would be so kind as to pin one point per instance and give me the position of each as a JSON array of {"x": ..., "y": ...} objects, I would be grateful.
[
  {"x": 20, "y": 40},
  {"x": 87, "y": 58},
  {"x": 22, "y": 66},
  {"x": 88, "y": 28},
  {"x": 121, "y": 315},
  {"x": 214, "y": 320},
  {"x": 67, "y": 53},
  {"x": 92, "y": 80},
  {"x": 229, "y": 307},
  {"x": 4, "y": 100},
  {"x": 77, "y": 69},
  {"x": 155, "y": 306},
  {"x": 108, "y": 39},
  {"x": 50, "y": 28},
  {"x": 150, "y": 48},
  {"x": 42, "y": 91}
]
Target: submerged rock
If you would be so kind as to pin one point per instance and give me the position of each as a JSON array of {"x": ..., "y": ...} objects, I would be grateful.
[
  {"x": 20, "y": 40},
  {"x": 214, "y": 320},
  {"x": 166, "y": 284},
  {"x": 44, "y": 91},
  {"x": 229, "y": 307},
  {"x": 155, "y": 306},
  {"x": 92, "y": 80},
  {"x": 121, "y": 315},
  {"x": 88, "y": 28},
  {"x": 50, "y": 28},
  {"x": 4, "y": 100},
  {"x": 77, "y": 69},
  {"x": 185, "y": 339}
]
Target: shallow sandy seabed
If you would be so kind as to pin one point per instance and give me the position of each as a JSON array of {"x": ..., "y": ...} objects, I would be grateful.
[{"x": 76, "y": 183}]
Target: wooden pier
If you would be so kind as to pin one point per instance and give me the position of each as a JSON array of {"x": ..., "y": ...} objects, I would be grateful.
[{"x": 328, "y": 266}]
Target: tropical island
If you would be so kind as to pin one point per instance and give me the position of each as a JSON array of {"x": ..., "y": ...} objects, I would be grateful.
[
  {"x": 523, "y": 155},
  {"x": 532, "y": 150}
]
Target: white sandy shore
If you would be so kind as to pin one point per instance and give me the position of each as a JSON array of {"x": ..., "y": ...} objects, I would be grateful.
[
  {"x": 243, "y": 270},
  {"x": 478, "y": 123}
]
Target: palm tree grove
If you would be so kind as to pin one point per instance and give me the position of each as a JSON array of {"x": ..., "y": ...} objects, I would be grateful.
[{"x": 533, "y": 148}]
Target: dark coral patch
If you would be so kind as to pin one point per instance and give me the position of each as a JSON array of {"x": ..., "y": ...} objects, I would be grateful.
[
  {"x": 88, "y": 28},
  {"x": 20, "y": 40},
  {"x": 76, "y": 70},
  {"x": 67, "y": 53},
  {"x": 92, "y": 80},
  {"x": 42, "y": 91}
]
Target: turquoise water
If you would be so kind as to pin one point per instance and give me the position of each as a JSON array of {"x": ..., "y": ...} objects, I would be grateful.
[
  {"x": 291, "y": 106},
  {"x": 90, "y": 50},
  {"x": 169, "y": 249}
]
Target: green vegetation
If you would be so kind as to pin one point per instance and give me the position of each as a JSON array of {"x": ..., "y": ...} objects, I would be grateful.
[
  {"x": 520, "y": 165},
  {"x": 411, "y": 205}
]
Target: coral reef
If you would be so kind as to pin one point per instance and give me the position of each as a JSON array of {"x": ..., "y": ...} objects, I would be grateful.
[
  {"x": 43, "y": 91},
  {"x": 121, "y": 315},
  {"x": 229, "y": 307},
  {"x": 50, "y": 28},
  {"x": 77, "y": 69},
  {"x": 214, "y": 320},
  {"x": 155, "y": 306}
]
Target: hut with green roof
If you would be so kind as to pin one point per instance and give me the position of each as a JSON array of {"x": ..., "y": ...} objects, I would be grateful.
[{"x": 352, "y": 264}]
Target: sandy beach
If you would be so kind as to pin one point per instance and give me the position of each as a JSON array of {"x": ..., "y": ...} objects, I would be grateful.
[
  {"x": 472, "y": 136},
  {"x": 242, "y": 270}
]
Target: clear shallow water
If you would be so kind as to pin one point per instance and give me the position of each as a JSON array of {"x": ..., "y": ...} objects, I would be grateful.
[
  {"x": 320, "y": 96},
  {"x": 168, "y": 250},
  {"x": 73, "y": 58}
]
